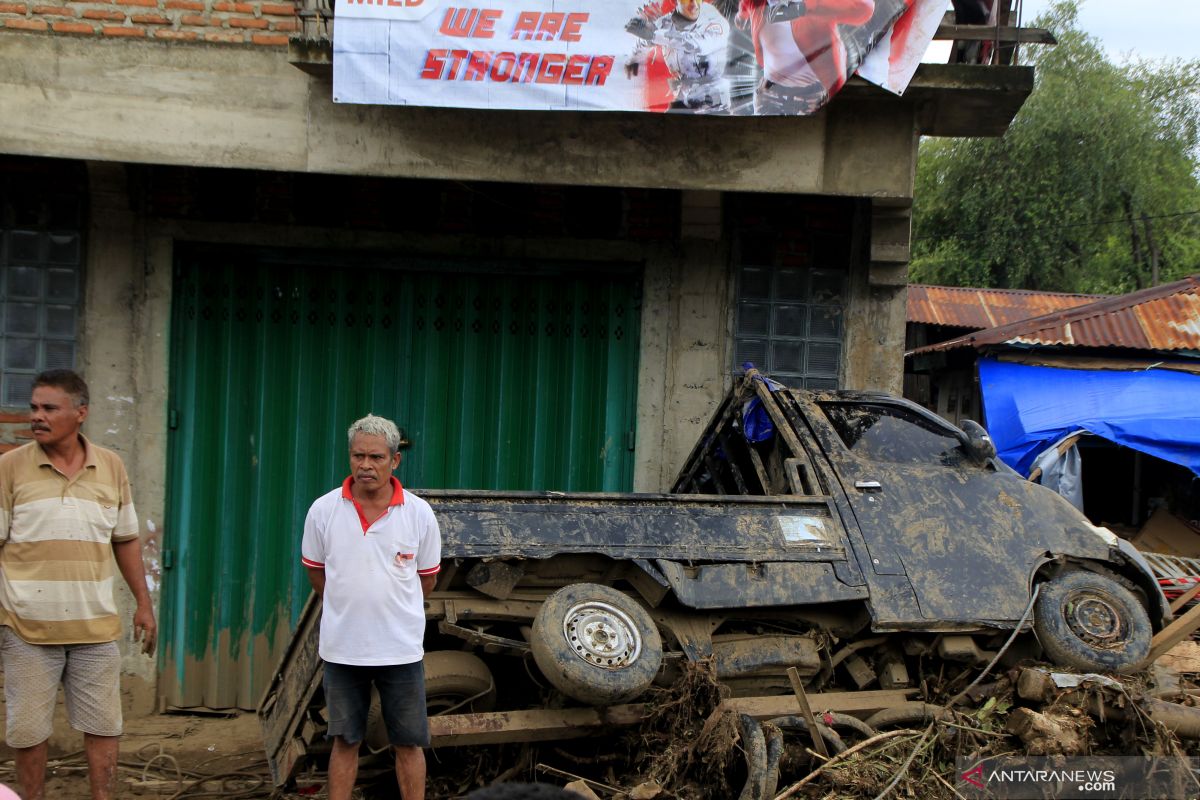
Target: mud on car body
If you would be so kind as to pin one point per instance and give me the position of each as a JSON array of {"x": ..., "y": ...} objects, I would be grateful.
[{"x": 849, "y": 535}]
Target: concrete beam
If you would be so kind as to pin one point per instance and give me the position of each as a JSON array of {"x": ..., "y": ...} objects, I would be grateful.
[{"x": 150, "y": 102}]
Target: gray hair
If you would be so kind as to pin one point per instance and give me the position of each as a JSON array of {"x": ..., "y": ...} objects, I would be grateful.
[{"x": 371, "y": 425}]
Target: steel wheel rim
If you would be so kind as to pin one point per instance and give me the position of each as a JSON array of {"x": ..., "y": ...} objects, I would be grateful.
[
  {"x": 602, "y": 635},
  {"x": 1095, "y": 618}
]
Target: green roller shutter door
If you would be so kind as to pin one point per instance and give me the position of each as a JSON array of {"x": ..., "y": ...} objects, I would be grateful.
[{"x": 521, "y": 380}]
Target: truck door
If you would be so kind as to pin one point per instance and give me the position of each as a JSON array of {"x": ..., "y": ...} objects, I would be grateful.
[{"x": 926, "y": 510}]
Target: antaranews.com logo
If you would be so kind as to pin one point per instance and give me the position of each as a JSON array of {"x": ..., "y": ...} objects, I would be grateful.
[{"x": 1084, "y": 777}]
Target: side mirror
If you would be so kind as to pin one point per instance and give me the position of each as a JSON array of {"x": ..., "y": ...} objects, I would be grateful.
[{"x": 979, "y": 445}]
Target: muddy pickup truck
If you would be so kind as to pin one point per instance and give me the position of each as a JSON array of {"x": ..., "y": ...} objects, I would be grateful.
[
  {"x": 853, "y": 536},
  {"x": 804, "y": 528}
]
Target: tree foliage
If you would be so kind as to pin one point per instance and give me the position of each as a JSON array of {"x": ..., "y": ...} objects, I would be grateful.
[{"x": 1098, "y": 173}]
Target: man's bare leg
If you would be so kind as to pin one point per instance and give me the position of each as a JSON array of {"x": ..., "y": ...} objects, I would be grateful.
[
  {"x": 31, "y": 770},
  {"x": 343, "y": 768},
  {"x": 102, "y": 764},
  {"x": 410, "y": 772}
]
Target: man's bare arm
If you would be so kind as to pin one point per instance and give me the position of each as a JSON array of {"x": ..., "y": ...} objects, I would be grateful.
[
  {"x": 129, "y": 561},
  {"x": 316, "y": 576},
  {"x": 427, "y": 584}
]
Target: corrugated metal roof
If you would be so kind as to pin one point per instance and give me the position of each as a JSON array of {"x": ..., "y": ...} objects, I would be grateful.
[
  {"x": 985, "y": 308},
  {"x": 1161, "y": 318}
]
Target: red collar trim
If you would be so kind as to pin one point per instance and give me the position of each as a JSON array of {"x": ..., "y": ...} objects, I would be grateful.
[{"x": 397, "y": 499}]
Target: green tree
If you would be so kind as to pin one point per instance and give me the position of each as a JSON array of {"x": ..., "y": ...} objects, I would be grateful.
[{"x": 1095, "y": 179}]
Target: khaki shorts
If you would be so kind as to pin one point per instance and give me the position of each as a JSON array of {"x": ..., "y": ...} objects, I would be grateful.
[{"x": 89, "y": 673}]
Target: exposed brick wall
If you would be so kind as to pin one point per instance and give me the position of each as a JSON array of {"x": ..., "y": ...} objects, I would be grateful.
[{"x": 218, "y": 21}]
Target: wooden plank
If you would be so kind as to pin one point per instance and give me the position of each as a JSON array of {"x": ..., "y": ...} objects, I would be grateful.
[
  {"x": 760, "y": 469},
  {"x": 865, "y": 703},
  {"x": 723, "y": 438},
  {"x": 1004, "y": 34},
  {"x": 1185, "y": 598},
  {"x": 1183, "y": 657},
  {"x": 806, "y": 711},
  {"x": 1173, "y": 634},
  {"x": 542, "y": 725},
  {"x": 285, "y": 703},
  {"x": 535, "y": 725}
]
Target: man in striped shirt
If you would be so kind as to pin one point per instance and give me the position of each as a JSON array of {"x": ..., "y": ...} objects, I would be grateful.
[{"x": 65, "y": 514}]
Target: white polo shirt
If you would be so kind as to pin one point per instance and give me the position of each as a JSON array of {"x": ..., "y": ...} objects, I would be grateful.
[{"x": 374, "y": 611}]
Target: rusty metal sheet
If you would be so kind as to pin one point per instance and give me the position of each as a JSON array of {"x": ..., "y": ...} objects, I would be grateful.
[
  {"x": 1164, "y": 318},
  {"x": 962, "y": 307}
]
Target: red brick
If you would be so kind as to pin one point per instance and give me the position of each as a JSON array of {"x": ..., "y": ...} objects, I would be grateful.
[
  {"x": 13, "y": 8},
  {"x": 143, "y": 3},
  {"x": 125, "y": 31},
  {"x": 196, "y": 20},
  {"x": 178, "y": 36},
  {"x": 286, "y": 25},
  {"x": 269, "y": 39},
  {"x": 100, "y": 13},
  {"x": 228, "y": 38},
  {"x": 26, "y": 24},
  {"x": 53, "y": 11},
  {"x": 8, "y": 446},
  {"x": 72, "y": 27},
  {"x": 149, "y": 19},
  {"x": 239, "y": 8},
  {"x": 10, "y": 416},
  {"x": 22, "y": 433},
  {"x": 278, "y": 9},
  {"x": 249, "y": 22},
  {"x": 185, "y": 5}
]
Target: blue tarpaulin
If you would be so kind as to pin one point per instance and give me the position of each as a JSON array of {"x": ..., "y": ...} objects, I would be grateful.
[{"x": 1156, "y": 411}]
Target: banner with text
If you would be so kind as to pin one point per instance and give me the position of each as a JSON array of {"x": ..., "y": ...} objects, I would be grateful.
[{"x": 742, "y": 57}]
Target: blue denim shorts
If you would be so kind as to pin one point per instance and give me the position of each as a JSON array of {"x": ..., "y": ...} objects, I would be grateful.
[{"x": 401, "y": 690}]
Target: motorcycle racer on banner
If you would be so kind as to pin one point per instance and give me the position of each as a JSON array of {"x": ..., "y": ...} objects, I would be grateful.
[
  {"x": 694, "y": 40},
  {"x": 800, "y": 50}
]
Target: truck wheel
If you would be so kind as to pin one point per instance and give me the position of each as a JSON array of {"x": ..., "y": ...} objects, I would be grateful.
[
  {"x": 456, "y": 682},
  {"x": 595, "y": 644},
  {"x": 1089, "y": 621}
]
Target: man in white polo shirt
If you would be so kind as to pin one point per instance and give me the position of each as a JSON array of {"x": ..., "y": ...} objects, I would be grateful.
[{"x": 373, "y": 551}]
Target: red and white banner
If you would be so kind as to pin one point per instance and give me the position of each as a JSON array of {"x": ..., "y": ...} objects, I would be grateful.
[{"x": 748, "y": 57}]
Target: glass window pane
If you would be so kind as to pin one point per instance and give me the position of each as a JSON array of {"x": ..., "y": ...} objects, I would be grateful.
[
  {"x": 789, "y": 284},
  {"x": 23, "y": 283},
  {"x": 20, "y": 318},
  {"x": 64, "y": 248},
  {"x": 823, "y": 358},
  {"x": 60, "y": 355},
  {"x": 755, "y": 283},
  {"x": 17, "y": 389},
  {"x": 60, "y": 321},
  {"x": 787, "y": 357},
  {"x": 820, "y": 383},
  {"x": 753, "y": 318},
  {"x": 62, "y": 285},
  {"x": 826, "y": 322},
  {"x": 20, "y": 353},
  {"x": 790, "y": 321},
  {"x": 24, "y": 247},
  {"x": 753, "y": 351},
  {"x": 828, "y": 287}
]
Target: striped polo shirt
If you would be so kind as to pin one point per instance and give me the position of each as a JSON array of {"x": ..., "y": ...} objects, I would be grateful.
[{"x": 56, "y": 535}]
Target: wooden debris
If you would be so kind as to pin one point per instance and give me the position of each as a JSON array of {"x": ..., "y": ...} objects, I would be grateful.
[{"x": 1049, "y": 735}]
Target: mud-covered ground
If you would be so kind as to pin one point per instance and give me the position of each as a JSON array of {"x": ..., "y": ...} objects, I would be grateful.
[{"x": 690, "y": 748}]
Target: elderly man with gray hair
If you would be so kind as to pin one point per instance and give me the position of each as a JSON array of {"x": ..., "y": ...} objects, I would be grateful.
[{"x": 373, "y": 551}]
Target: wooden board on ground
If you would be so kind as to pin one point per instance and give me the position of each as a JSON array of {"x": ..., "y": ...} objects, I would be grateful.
[{"x": 1183, "y": 657}]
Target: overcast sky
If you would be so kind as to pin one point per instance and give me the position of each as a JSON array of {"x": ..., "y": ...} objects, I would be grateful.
[{"x": 1143, "y": 28}]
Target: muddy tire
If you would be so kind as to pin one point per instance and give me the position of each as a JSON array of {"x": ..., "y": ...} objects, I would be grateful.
[
  {"x": 1089, "y": 621},
  {"x": 912, "y": 714},
  {"x": 595, "y": 644},
  {"x": 455, "y": 682}
]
